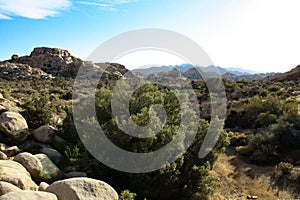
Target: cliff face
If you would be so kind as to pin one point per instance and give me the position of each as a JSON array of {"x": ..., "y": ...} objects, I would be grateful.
[{"x": 293, "y": 74}]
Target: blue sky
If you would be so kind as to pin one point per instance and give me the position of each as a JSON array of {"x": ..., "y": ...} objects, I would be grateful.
[{"x": 261, "y": 35}]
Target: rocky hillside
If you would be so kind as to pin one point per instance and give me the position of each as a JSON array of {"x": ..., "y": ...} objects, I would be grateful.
[
  {"x": 293, "y": 74},
  {"x": 30, "y": 160},
  {"x": 49, "y": 62}
]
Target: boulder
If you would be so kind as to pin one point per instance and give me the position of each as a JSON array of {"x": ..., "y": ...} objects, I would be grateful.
[
  {"x": 43, "y": 186},
  {"x": 50, "y": 170},
  {"x": 14, "y": 173},
  {"x": 14, "y": 125},
  {"x": 58, "y": 143},
  {"x": 32, "y": 164},
  {"x": 54, "y": 155},
  {"x": 3, "y": 156},
  {"x": 25, "y": 195},
  {"x": 7, "y": 187},
  {"x": 3, "y": 147},
  {"x": 7, "y": 105},
  {"x": 44, "y": 134},
  {"x": 32, "y": 146},
  {"x": 12, "y": 151},
  {"x": 82, "y": 189}
]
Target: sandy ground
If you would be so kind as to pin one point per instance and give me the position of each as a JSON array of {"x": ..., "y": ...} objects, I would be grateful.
[{"x": 238, "y": 179}]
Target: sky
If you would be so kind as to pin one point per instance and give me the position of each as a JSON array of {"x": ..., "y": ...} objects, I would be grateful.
[{"x": 258, "y": 35}]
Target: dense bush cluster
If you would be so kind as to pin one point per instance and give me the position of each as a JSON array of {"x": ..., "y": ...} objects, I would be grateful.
[{"x": 186, "y": 178}]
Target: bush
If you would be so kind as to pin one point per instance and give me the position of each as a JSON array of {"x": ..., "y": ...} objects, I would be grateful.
[
  {"x": 265, "y": 119},
  {"x": 282, "y": 169},
  {"x": 127, "y": 195},
  {"x": 244, "y": 150},
  {"x": 239, "y": 139},
  {"x": 188, "y": 176},
  {"x": 38, "y": 110}
]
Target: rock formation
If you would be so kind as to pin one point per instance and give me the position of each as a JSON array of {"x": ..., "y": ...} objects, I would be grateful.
[
  {"x": 293, "y": 74},
  {"x": 26, "y": 169},
  {"x": 48, "y": 62}
]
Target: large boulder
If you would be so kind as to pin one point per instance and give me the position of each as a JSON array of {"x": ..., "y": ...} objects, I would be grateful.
[
  {"x": 7, "y": 105},
  {"x": 44, "y": 134},
  {"x": 54, "y": 155},
  {"x": 14, "y": 125},
  {"x": 26, "y": 195},
  {"x": 32, "y": 164},
  {"x": 7, "y": 187},
  {"x": 50, "y": 171},
  {"x": 59, "y": 143},
  {"x": 14, "y": 173},
  {"x": 82, "y": 189}
]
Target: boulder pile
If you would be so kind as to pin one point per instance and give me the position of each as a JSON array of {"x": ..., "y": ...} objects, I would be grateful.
[{"x": 29, "y": 169}]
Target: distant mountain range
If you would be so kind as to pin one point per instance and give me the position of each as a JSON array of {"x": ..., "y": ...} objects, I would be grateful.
[
  {"x": 185, "y": 67},
  {"x": 196, "y": 72}
]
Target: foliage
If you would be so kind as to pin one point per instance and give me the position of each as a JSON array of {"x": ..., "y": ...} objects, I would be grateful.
[
  {"x": 282, "y": 169},
  {"x": 127, "y": 195},
  {"x": 38, "y": 110},
  {"x": 187, "y": 177}
]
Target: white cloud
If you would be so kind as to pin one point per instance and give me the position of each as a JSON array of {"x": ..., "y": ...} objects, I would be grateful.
[
  {"x": 107, "y": 5},
  {"x": 4, "y": 16},
  {"x": 33, "y": 9}
]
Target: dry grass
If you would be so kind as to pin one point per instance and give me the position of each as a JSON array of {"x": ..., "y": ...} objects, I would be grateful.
[{"x": 237, "y": 179}]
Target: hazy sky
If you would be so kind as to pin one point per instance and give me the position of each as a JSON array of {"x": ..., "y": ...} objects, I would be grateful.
[{"x": 261, "y": 35}]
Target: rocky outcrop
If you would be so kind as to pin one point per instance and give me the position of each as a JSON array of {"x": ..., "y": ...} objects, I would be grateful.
[
  {"x": 26, "y": 195},
  {"x": 114, "y": 71},
  {"x": 7, "y": 187},
  {"x": 54, "y": 61},
  {"x": 14, "y": 125},
  {"x": 293, "y": 74},
  {"x": 14, "y": 173},
  {"x": 82, "y": 189},
  {"x": 50, "y": 171},
  {"x": 18, "y": 70},
  {"x": 194, "y": 74},
  {"x": 32, "y": 164},
  {"x": 44, "y": 134}
]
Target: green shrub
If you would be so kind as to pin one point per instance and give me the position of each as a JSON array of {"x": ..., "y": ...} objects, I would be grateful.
[
  {"x": 38, "y": 110},
  {"x": 127, "y": 195},
  {"x": 282, "y": 169},
  {"x": 239, "y": 139},
  {"x": 265, "y": 119}
]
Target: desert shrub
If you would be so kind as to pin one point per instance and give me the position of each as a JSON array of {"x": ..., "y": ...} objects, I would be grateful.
[
  {"x": 38, "y": 110},
  {"x": 256, "y": 106},
  {"x": 188, "y": 176},
  {"x": 263, "y": 148},
  {"x": 282, "y": 169},
  {"x": 265, "y": 119},
  {"x": 239, "y": 139},
  {"x": 244, "y": 150},
  {"x": 127, "y": 195}
]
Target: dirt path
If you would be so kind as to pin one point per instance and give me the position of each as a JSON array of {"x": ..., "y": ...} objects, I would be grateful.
[{"x": 237, "y": 179}]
